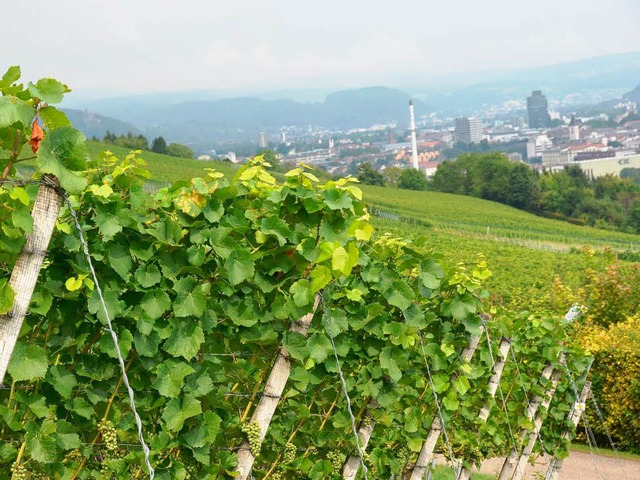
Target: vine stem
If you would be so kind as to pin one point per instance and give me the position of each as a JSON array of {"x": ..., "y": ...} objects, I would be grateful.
[
  {"x": 12, "y": 159},
  {"x": 21, "y": 452}
]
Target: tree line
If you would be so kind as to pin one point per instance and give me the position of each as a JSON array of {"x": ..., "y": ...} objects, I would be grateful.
[
  {"x": 140, "y": 142},
  {"x": 605, "y": 202}
]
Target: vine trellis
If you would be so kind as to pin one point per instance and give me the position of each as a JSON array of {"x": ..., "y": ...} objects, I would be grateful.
[{"x": 220, "y": 293}]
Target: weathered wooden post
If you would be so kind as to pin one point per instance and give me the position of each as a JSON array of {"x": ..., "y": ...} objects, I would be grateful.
[
  {"x": 576, "y": 413},
  {"x": 494, "y": 382},
  {"x": 352, "y": 464},
  {"x": 27, "y": 268},
  {"x": 426, "y": 452},
  {"x": 271, "y": 395},
  {"x": 510, "y": 463},
  {"x": 537, "y": 425}
]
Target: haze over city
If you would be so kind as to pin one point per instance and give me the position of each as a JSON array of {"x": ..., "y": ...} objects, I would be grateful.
[{"x": 102, "y": 48}]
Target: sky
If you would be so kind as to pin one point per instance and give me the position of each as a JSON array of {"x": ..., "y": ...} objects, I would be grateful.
[{"x": 136, "y": 46}]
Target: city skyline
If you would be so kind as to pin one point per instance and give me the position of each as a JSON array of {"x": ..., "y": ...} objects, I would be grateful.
[{"x": 117, "y": 47}]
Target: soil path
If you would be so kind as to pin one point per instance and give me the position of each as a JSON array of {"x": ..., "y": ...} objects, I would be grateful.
[{"x": 579, "y": 466}]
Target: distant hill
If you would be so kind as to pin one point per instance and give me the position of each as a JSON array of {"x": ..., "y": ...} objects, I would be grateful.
[
  {"x": 200, "y": 123},
  {"x": 633, "y": 95},
  {"x": 95, "y": 125},
  {"x": 585, "y": 81}
]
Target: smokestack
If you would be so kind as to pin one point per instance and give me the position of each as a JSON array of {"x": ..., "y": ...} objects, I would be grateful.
[{"x": 414, "y": 144}]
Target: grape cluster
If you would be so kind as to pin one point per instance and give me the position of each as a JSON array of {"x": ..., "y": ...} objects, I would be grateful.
[
  {"x": 336, "y": 460},
  {"x": 191, "y": 467},
  {"x": 252, "y": 431},
  {"x": 277, "y": 475},
  {"x": 18, "y": 472},
  {"x": 290, "y": 451},
  {"x": 402, "y": 455},
  {"x": 108, "y": 435}
]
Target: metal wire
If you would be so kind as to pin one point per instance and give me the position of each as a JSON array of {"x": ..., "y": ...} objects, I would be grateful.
[
  {"x": 114, "y": 336},
  {"x": 327, "y": 322}
]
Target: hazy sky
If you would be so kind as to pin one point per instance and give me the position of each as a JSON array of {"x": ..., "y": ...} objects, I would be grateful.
[{"x": 144, "y": 45}]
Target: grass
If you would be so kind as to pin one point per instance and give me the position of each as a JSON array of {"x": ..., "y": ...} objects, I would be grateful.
[
  {"x": 482, "y": 218},
  {"x": 606, "y": 452},
  {"x": 165, "y": 168}
]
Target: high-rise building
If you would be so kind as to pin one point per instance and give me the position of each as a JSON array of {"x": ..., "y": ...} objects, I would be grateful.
[
  {"x": 414, "y": 143},
  {"x": 538, "y": 110},
  {"x": 468, "y": 130},
  {"x": 262, "y": 140}
]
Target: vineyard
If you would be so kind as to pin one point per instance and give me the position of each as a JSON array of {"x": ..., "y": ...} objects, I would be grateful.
[{"x": 228, "y": 328}]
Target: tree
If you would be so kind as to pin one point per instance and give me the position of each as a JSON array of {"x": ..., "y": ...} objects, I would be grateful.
[
  {"x": 159, "y": 145},
  {"x": 412, "y": 179},
  {"x": 178, "y": 150},
  {"x": 521, "y": 187},
  {"x": 391, "y": 175},
  {"x": 367, "y": 175}
]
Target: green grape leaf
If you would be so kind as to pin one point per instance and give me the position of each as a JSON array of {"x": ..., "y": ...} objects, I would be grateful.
[
  {"x": 400, "y": 295},
  {"x": 190, "y": 303},
  {"x": 13, "y": 110},
  {"x": 462, "y": 385},
  {"x": 170, "y": 377},
  {"x": 41, "y": 446},
  {"x": 62, "y": 152},
  {"x": 63, "y": 380},
  {"x": 178, "y": 410},
  {"x": 120, "y": 260},
  {"x": 28, "y": 362},
  {"x": 185, "y": 340},
  {"x": 337, "y": 199},
  {"x": 53, "y": 118},
  {"x": 148, "y": 276},
  {"x": 239, "y": 266},
  {"x": 48, "y": 90},
  {"x": 7, "y": 295},
  {"x": 154, "y": 304},
  {"x": 11, "y": 75},
  {"x": 108, "y": 224},
  {"x": 451, "y": 404},
  {"x": 319, "y": 347}
]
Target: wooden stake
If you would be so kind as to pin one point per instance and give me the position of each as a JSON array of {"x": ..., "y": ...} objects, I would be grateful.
[
  {"x": 494, "y": 381},
  {"x": 27, "y": 268},
  {"x": 537, "y": 425},
  {"x": 426, "y": 452},
  {"x": 352, "y": 465},
  {"x": 576, "y": 413},
  {"x": 510, "y": 463},
  {"x": 271, "y": 395}
]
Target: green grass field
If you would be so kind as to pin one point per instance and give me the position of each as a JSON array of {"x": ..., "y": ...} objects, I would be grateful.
[{"x": 165, "y": 168}]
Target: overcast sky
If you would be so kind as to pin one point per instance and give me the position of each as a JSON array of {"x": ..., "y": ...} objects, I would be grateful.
[{"x": 158, "y": 45}]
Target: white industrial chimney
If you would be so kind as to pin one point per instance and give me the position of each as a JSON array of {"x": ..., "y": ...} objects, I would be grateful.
[{"x": 414, "y": 143}]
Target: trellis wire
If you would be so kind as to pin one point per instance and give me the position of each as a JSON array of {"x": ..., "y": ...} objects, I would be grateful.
[
  {"x": 439, "y": 410},
  {"x": 327, "y": 322},
  {"x": 114, "y": 336}
]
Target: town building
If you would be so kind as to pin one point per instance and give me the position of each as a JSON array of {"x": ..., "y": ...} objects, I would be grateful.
[
  {"x": 538, "y": 110},
  {"x": 468, "y": 130}
]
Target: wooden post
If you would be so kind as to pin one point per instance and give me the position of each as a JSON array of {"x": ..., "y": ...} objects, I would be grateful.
[
  {"x": 510, "y": 463},
  {"x": 271, "y": 395},
  {"x": 27, "y": 268},
  {"x": 494, "y": 381},
  {"x": 426, "y": 452},
  {"x": 352, "y": 465},
  {"x": 537, "y": 425},
  {"x": 576, "y": 413}
]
